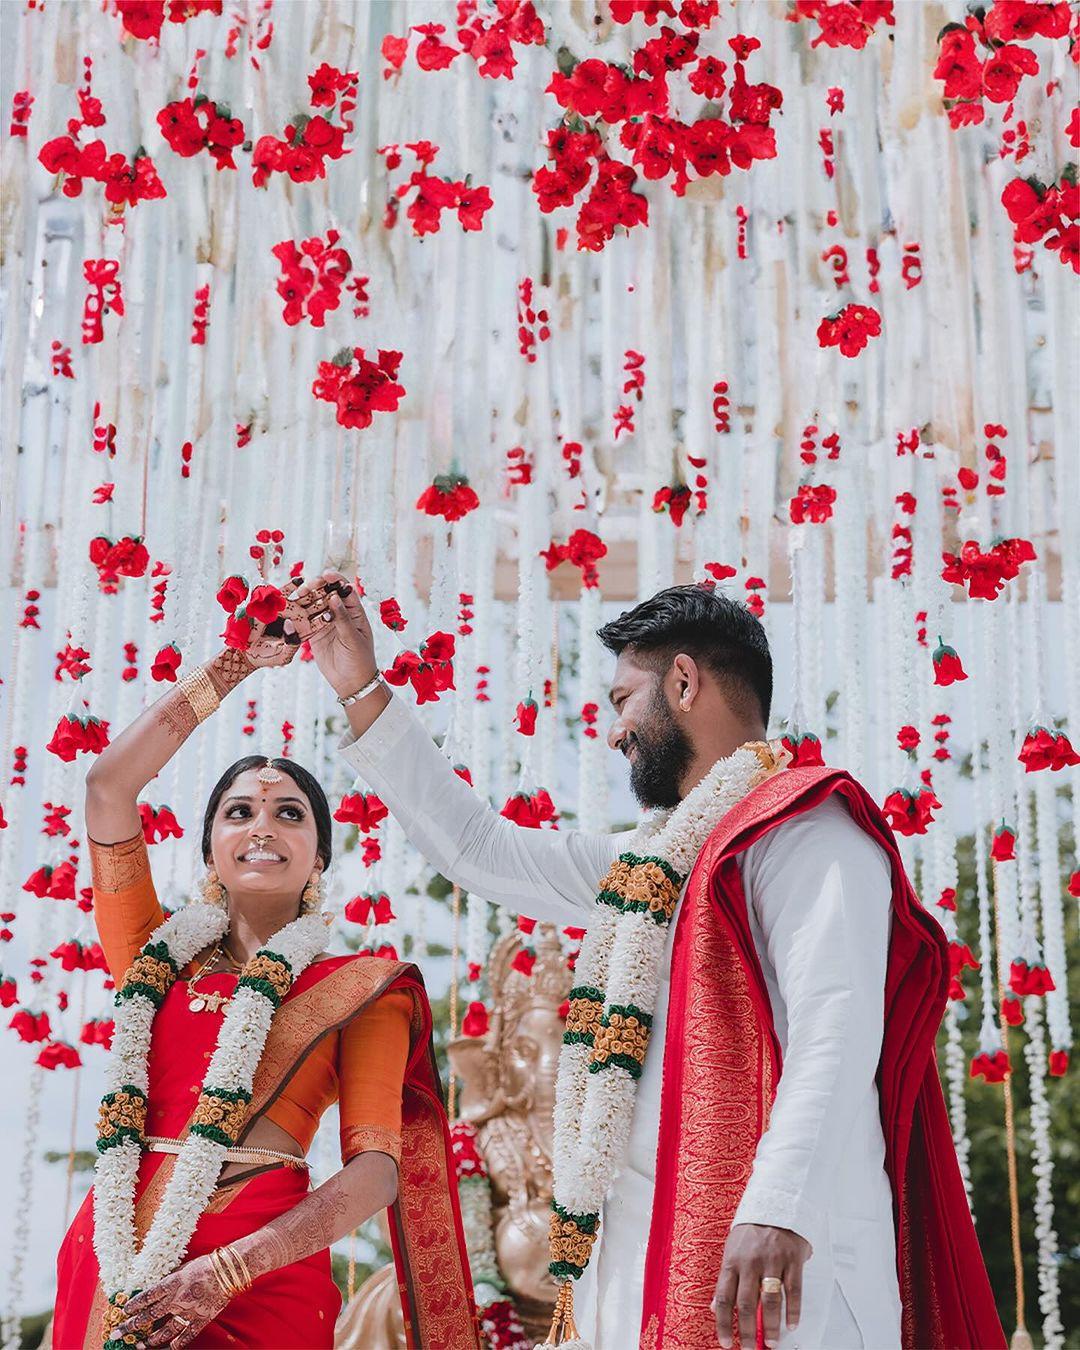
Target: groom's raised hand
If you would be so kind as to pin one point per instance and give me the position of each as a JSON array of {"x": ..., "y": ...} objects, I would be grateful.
[{"x": 328, "y": 614}]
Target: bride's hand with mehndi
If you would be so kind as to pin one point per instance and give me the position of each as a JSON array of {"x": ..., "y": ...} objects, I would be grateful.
[
  {"x": 333, "y": 621},
  {"x": 270, "y": 644},
  {"x": 176, "y": 1309}
]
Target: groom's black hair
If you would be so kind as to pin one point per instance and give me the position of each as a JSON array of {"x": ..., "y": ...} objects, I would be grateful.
[{"x": 719, "y": 633}]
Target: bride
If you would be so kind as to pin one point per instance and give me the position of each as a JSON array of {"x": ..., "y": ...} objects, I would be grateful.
[{"x": 235, "y": 1031}]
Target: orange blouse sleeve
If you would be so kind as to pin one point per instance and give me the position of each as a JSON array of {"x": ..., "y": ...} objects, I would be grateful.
[
  {"x": 126, "y": 906},
  {"x": 374, "y": 1050}
]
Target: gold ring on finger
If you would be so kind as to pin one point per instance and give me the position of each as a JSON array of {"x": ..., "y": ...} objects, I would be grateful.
[{"x": 772, "y": 1284}]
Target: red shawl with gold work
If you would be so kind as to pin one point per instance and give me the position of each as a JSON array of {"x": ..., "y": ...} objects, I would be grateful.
[{"x": 721, "y": 1067}]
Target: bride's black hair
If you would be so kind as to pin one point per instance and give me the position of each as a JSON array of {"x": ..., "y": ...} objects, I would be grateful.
[{"x": 307, "y": 783}]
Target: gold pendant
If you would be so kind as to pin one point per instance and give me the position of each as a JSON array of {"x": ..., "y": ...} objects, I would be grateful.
[{"x": 197, "y": 1004}]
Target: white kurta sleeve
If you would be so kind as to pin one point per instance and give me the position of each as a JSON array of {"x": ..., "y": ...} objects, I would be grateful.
[
  {"x": 820, "y": 891},
  {"x": 545, "y": 874}
]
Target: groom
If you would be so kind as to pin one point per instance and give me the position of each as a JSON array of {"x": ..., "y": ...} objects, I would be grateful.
[{"x": 789, "y": 1174}]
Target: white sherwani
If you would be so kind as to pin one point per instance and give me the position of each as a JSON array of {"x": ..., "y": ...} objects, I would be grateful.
[{"x": 818, "y": 893}]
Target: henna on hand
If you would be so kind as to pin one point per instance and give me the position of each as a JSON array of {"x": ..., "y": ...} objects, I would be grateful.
[
  {"x": 191, "y": 1293},
  {"x": 227, "y": 669},
  {"x": 363, "y": 1187}
]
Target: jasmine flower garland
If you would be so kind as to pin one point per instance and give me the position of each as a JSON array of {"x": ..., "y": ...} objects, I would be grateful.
[
  {"x": 612, "y": 1005},
  {"x": 223, "y": 1102}
]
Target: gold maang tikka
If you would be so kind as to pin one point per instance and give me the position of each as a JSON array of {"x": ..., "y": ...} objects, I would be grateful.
[{"x": 269, "y": 774}]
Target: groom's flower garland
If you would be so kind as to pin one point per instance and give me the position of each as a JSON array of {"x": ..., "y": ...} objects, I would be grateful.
[
  {"x": 611, "y": 1009},
  {"x": 223, "y": 1102}
]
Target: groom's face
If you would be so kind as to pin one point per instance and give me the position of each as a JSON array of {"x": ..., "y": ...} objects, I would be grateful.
[{"x": 647, "y": 731}]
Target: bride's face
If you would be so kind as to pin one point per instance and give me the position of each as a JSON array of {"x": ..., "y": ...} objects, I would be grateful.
[{"x": 263, "y": 838}]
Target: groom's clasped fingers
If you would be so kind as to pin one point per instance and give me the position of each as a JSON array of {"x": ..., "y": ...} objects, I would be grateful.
[{"x": 307, "y": 612}]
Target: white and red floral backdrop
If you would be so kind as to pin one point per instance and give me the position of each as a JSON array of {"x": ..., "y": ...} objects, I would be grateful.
[{"x": 519, "y": 313}]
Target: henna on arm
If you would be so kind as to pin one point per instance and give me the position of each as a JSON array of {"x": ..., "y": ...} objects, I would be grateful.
[
  {"x": 143, "y": 749},
  {"x": 365, "y": 1185}
]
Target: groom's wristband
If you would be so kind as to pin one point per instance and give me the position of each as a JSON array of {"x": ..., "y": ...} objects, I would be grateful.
[{"x": 348, "y": 700}]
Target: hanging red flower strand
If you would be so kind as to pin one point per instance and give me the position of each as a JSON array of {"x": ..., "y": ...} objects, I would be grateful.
[{"x": 359, "y": 388}]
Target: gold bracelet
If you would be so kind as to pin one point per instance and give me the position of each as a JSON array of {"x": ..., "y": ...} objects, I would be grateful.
[
  {"x": 227, "y": 1277},
  {"x": 221, "y": 1275},
  {"x": 199, "y": 691},
  {"x": 237, "y": 1266}
]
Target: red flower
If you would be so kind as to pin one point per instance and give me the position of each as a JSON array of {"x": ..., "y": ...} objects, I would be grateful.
[
  {"x": 947, "y": 899},
  {"x": 1059, "y": 1063},
  {"x": 525, "y": 714},
  {"x": 707, "y": 77},
  {"x": 362, "y": 809},
  {"x": 449, "y": 496},
  {"x": 432, "y": 53},
  {"x": 471, "y": 204},
  {"x": 394, "y": 50},
  {"x": 947, "y": 667},
  {"x": 675, "y": 499},
  {"x": 98, "y": 1031},
  {"x": 1003, "y": 849},
  {"x": 439, "y": 647},
  {"x": 59, "y": 1055},
  {"x": 233, "y": 592},
  {"x": 960, "y": 959},
  {"x": 1025, "y": 980},
  {"x": 530, "y": 810},
  {"x": 166, "y": 663},
  {"x": 1045, "y": 749},
  {"x": 958, "y": 64},
  {"x": 910, "y": 812},
  {"x": 264, "y": 604},
  {"x": 362, "y": 391},
  {"x": 908, "y": 739},
  {"x": 142, "y": 18},
  {"x": 805, "y": 750},
  {"x": 390, "y": 614},
  {"x": 850, "y": 329},
  {"x": 238, "y": 630},
  {"x": 524, "y": 960},
  {"x": 985, "y": 574},
  {"x": 30, "y": 1026},
  {"x": 993, "y": 1067},
  {"x": 74, "y": 735},
  {"x": 813, "y": 504},
  {"x": 476, "y": 1021},
  {"x": 1005, "y": 69},
  {"x": 1012, "y": 1011}
]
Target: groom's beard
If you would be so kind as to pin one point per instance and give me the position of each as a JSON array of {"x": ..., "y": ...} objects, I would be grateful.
[{"x": 662, "y": 755}]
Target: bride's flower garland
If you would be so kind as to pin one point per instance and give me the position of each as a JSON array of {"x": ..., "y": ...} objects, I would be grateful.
[
  {"x": 611, "y": 1010},
  {"x": 223, "y": 1102}
]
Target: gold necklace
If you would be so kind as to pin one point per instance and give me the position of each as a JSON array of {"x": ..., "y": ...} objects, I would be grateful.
[{"x": 205, "y": 1002}]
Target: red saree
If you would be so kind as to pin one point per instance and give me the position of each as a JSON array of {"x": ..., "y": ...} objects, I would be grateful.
[
  {"x": 720, "y": 1076},
  {"x": 297, "y": 1305}
]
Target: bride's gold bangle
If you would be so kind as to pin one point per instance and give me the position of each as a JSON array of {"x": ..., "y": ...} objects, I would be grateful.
[
  {"x": 199, "y": 691},
  {"x": 231, "y": 1271}
]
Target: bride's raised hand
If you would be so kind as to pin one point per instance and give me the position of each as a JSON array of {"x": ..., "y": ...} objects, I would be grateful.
[{"x": 269, "y": 644}]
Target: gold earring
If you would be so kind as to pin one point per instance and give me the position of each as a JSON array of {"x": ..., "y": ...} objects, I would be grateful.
[
  {"x": 311, "y": 898},
  {"x": 213, "y": 892}
]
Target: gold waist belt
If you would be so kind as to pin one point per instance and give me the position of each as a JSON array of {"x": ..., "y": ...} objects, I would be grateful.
[{"x": 155, "y": 1144}]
